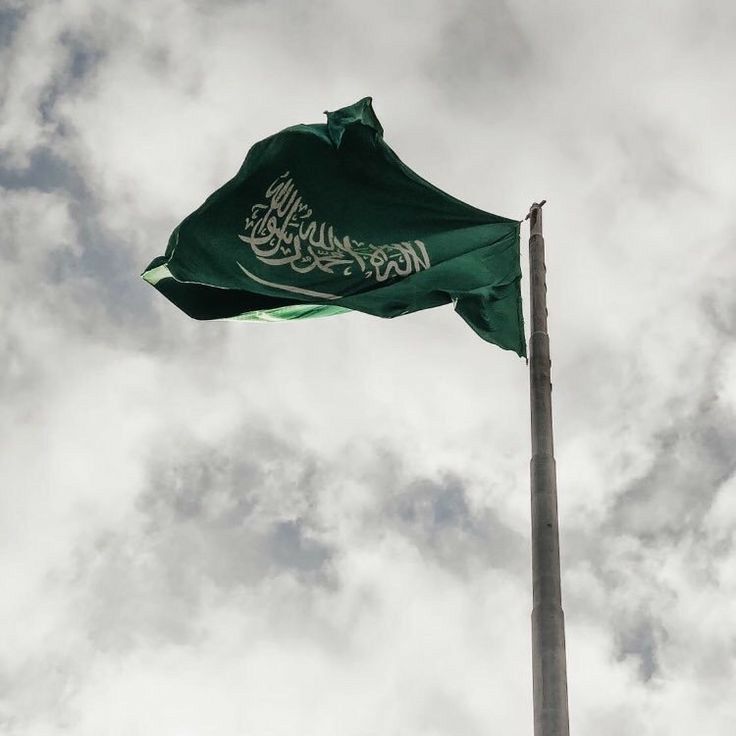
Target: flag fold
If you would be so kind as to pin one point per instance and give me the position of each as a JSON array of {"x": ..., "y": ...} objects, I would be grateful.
[{"x": 325, "y": 218}]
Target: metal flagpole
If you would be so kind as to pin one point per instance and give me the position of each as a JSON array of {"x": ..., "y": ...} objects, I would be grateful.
[{"x": 548, "y": 621}]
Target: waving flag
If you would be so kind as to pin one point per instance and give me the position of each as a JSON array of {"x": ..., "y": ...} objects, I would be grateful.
[{"x": 325, "y": 218}]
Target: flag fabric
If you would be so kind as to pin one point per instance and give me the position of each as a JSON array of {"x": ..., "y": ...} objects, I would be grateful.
[{"x": 325, "y": 218}]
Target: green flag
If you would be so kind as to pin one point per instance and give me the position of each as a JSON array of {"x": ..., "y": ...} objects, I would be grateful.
[{"x": 325, "y": 218}]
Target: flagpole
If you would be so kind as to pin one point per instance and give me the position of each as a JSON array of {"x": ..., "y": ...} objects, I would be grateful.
[{"x": 548, "y": 621}]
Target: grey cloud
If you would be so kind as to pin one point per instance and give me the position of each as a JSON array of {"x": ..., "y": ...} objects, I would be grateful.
[
  {"x": 235, "y": 515},
  {"x": 83, "y": 50},
  {"x": 40, "y": 687},
  {"x": 84, "y": 55},
  {"x": 10, "y": 19},
  {"x": 206, "y": 519},
  {"x": 653, "y": 162},
  {"x": 128, "y": 595},
  {"x": 435, "y": 514},
  {"x": 46, "y": 171},
  {"x": 69, "y": 52},
  {"x": 718, "y": 302},
  {"x": 491, "y": 49},
  {"x": 96, "y": 283},
  {"x": 251, "y": 502},
  {"x": 291, "y": 547},
  {"x": 641, "y": 639},
  {"x": 692, "y": 461}
]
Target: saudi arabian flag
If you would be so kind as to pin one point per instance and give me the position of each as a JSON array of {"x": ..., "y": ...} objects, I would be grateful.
[{"x": 325, "y": 218}]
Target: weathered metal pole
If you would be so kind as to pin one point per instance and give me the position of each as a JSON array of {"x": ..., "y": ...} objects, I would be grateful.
[{"x": 548, "y": 621}]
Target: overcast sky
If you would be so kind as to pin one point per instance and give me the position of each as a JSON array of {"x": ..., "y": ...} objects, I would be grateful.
[{"x": 322, "y": 528}]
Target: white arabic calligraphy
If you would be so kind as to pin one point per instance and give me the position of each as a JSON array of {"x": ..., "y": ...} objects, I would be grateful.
[{"x": 281, "y": 231}]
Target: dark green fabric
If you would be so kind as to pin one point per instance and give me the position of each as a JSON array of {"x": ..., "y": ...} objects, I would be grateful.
[{"x": 325, "y": 218}]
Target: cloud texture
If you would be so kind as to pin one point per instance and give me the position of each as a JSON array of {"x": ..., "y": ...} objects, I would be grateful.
[{"x": 323, "y": 528}]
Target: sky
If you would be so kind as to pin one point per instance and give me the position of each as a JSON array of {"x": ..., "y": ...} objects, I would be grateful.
[{"x": 322, "y": 528}]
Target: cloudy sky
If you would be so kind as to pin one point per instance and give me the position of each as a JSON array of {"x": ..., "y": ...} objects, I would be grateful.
[{"x": 322, "y": 528}]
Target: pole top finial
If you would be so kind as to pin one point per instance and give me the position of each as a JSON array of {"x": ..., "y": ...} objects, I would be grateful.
[{"x": 537, "y": 205}]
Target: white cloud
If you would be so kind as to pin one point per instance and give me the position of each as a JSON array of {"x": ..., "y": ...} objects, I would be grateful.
[{"x": 323, "y": 527}]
